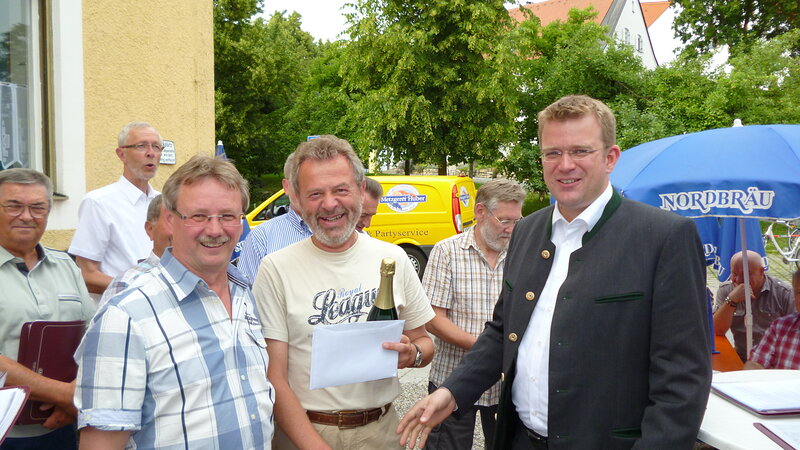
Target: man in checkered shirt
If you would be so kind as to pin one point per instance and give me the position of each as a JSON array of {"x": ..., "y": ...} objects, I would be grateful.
[
  {"x": 780, "y": 346},
  {"x": 463, "y": 280},
  {"x": 178, "y": 360}
]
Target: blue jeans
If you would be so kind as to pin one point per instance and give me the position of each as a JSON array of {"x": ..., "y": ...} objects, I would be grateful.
[{"x": 64, "y": 438}]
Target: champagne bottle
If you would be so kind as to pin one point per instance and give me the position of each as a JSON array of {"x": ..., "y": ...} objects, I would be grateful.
[{"x": 383, "y": 308}]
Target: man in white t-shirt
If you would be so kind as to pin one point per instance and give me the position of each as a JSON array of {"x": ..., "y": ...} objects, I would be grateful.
[
  {"x": 331, "y": 278},
  {"x": 110, "y": 236}
]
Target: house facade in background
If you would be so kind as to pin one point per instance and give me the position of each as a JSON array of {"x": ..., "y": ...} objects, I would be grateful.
[
  {"x": 625, "y": 20},
  {"x": 73, "y": 73}
]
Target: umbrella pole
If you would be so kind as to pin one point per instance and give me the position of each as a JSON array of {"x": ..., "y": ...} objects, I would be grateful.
[{"x": 748, "y": 311}]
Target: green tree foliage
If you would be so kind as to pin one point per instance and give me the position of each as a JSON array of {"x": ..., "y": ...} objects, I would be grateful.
[
  {"x": 322, "y": 107},
  {"x": 260, "y": 67},
  {"x": 431, "y": 80},
  {"x": 706, "y": 24},
  {"x": 572, "y": 57}
]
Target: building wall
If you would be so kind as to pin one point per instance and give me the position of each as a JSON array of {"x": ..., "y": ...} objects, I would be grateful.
[{"x": 147, "y": 61}]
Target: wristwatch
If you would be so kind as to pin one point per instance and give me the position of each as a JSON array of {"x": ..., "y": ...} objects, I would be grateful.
[
  {"x": 418, "y": 359},
  {"x": 730, "y": 302}
]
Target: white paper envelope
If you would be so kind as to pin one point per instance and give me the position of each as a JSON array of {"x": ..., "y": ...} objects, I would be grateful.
[{"x": 352, "y": 352}]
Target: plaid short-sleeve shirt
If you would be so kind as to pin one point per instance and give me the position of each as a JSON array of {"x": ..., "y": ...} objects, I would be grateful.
[
  {"x": 780, "y": 346},
  {"x": 164, "y": 360},
  {"x": 459, "y": 279}
]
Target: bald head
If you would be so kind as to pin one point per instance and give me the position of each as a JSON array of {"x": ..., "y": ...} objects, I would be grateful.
[{"x": 755, "y": 268}]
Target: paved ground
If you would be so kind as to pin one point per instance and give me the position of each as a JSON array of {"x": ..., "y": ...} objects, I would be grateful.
[{"x": 414, "y": 386}]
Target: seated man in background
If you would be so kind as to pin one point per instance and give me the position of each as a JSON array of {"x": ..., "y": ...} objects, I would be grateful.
[
  {"x": 771, "y": 298},
  {"x": 156, "y": 228},
  {"x": 37, "y": 284},
  {"x": 780, "y": 346}
]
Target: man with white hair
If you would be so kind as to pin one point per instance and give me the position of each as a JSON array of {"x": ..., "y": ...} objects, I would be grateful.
[
  {"x": 109, "y": 238},
  {"x": 463, "y": 279}
]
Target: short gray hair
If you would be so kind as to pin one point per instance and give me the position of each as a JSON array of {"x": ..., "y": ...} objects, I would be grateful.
[
  {"x": 27, "y": 176},
  {"x": 322, "y": 148},
  {"x": 200, "y": 167},
  {"x": 154, "y": 209},
  {"x": 500, "y": 190},
  {"x": 125, "y": 131},
  {"x": 374, "y": 189}
]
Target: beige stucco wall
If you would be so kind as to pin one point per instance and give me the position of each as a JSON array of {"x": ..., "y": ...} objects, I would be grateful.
[{"x": 148, "y": 60}]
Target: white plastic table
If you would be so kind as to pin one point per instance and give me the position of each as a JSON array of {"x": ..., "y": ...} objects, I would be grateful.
[{"x": 728, "y": 426}]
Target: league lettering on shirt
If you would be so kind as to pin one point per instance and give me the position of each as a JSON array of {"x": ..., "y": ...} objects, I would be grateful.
[{"x": 345, "y": 307}]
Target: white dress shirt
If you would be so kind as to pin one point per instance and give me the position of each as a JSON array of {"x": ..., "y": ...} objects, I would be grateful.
[
  {"x": 530, "y": 387},
  {"x": 111, "y": 227}
]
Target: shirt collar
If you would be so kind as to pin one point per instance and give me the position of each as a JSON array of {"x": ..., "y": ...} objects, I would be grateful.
[
  {"x": 184, "y": 281},
  {"x": 133, "y": 193},
  {"x": 297, "y": 221},
  {"x": 6, "y": 256},
  {"x": 468, "y": 240},
  {"x": 591, "y": 215}
]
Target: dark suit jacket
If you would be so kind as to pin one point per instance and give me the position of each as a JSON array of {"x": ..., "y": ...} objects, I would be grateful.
[{"x": 629, "y": 354}]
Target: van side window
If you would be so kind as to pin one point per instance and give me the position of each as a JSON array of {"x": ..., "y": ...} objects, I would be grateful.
[{"x": 277, "y": 208}]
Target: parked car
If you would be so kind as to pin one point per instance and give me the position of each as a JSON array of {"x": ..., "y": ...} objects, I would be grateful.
[{"x": 415, "y": 212}]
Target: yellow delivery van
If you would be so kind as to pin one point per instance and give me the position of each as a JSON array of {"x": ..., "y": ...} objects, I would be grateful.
[{"x": 415, "y": 212}]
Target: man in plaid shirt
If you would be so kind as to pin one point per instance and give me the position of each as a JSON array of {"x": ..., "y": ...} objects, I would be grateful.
[
  {"x": 463, "y": 280},
  {"x": 780, "y": 346},
  {"x": 178, "y": 360}
]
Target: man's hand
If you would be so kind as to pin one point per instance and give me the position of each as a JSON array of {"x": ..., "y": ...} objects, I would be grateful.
[
  {"x": 737, "y": 294},
  {"x": 407, "y": 352},
  {"x": 60, "y": 416},
  {"x": 423, "y": 416}
]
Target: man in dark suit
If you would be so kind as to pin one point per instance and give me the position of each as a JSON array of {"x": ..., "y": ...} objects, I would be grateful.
[{"x": 600, "y": 332}]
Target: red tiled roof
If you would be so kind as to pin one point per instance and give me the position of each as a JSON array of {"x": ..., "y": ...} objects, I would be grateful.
[
  {"x": 551, "y": 10},
  {"x": 652, "y": 11}
]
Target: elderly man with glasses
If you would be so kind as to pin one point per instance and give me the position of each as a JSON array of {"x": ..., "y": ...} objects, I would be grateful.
[
  {"x": 37, "y": 284},
  {"x": 463, "y": 280},
  {"x": 110, "y": 237},
  {"x": 178, "y": 359}
]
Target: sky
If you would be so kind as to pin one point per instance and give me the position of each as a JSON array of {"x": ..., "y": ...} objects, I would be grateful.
[{"x": 324, "y": 19}]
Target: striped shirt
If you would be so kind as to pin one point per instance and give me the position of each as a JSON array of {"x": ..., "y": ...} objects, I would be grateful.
[
  {"x": 270, "y": 237},
  {"x": 164, "y": 360},
  {"x": 780, "y": 346},
  {"x": 123, "y": 280},
  {"x": 459, "y": 279}
]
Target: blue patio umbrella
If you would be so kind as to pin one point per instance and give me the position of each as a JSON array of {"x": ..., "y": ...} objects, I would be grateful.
[{"x": 743, "y": 172}]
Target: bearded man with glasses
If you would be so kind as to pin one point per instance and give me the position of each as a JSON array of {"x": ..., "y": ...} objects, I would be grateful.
[
  {"x": 178, "y": 360},
  {"x": 110, "y": 237},
  {"x": 463, "y": 279},
  {"x": 37, "y": 284}
]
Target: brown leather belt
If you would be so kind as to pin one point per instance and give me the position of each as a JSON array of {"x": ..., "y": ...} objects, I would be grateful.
[{"x": 348, "y": 419}]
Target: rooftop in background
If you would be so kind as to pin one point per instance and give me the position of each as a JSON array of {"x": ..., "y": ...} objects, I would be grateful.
[
  {"x": 653, "y": 10},
  {"x": 551, "y": 10}
]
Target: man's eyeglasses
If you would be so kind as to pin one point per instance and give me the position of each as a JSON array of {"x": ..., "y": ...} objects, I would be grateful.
[
  {"x": 200, "y": 220},
  {"x": 574, "y": 154},
  {"x": 504, "y": 222},
  {"x": 144, "y": 146},
  {"x": 16, "y": 209}
]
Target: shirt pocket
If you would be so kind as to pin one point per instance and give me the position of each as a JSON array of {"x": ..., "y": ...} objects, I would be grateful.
[{"x": 70, "y": 307}]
